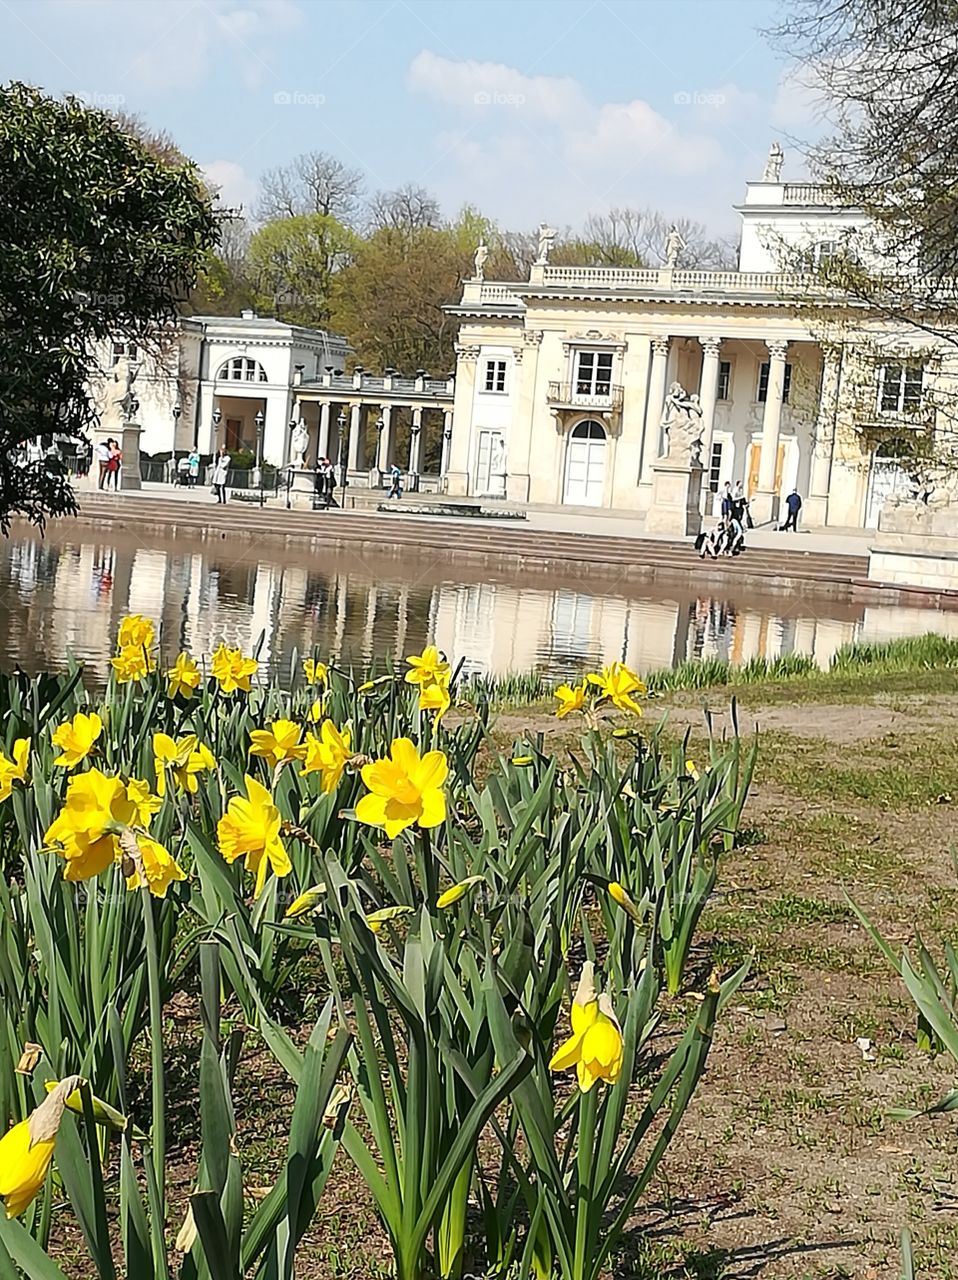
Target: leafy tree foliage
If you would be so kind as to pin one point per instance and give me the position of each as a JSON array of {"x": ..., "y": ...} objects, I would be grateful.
[
  {"x": 292, "y": 262},
  {"x": 99, "y": 236}
]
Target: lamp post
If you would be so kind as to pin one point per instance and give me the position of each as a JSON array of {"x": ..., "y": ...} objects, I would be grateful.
[
  {"x": 414, "y": 431},
  {"x": 380, "y": 428},
  {"x": 259, "y": 420},
  {"x": 341, "y": 424}
]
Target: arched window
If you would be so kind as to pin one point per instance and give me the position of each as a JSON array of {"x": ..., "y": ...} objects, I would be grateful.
[
  {"x": 588, "y": 430},
  {"x": 241, "y": 369}
]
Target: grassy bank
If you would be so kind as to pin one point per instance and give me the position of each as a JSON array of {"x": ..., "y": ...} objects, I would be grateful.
[{"x": 933, "y": 657}]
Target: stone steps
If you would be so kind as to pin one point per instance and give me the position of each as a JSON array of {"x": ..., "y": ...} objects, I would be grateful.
[{"x": 635, "y": 559}]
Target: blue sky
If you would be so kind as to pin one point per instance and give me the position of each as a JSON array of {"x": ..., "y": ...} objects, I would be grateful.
[{"x": 531, "y": 110}]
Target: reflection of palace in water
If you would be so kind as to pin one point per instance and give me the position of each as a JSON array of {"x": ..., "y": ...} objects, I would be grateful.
[{"x": 69, "y": 596}]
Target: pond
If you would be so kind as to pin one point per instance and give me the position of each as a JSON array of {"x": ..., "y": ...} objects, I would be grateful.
[{"x": 68, "y": 591}]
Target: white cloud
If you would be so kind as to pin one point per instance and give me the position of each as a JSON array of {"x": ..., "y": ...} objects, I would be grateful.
[
  {"x": 799, "y": 99},
  {"x": 236, "y": 187},
  {"x": 475, "y": 85}
]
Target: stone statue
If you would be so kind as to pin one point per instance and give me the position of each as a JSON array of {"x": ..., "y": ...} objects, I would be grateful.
[
  {"x": 682, "y": 420},
  {"x": 299, "y": 445},
  {"x": 482, "y": 253},
  {"x": 674, "y": 244},
  {"x": 773, "y": 165},
  {"x": 128, "y": 398},
  {"x": 547, "y": 237}
]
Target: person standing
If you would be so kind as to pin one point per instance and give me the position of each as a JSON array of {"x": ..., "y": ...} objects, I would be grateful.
[
  {"x": 221, "y": 468},
  {"x": 395, "y": 475},
  {"x": 727, "y": 507},
  {"x": 794, "y": 504},
  {"x": 83, "y": 457},
  {"x": 103, "y": 462},
  {"x": 113, "y": 466},
  {"x": 194, "y": 466}
]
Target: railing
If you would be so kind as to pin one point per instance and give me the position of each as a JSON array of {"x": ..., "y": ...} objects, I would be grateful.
[
  {"x": 498, "y": 293},
  {"x": 808, "y": 193},
  {"x": 622, "y": 277},
  {"x": 670, "y": 281},
  {"x": 567, "y": 393}
]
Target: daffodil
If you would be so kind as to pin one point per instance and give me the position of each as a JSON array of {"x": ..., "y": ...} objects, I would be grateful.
[
  {"x": 76, "y": 738},
  {"x": 316, "y": 711},
  {"x": 329, "y": 754},
  {"x": 250, "y": 828},
  {"x": 136, "y": 632},
  {"x": 156, "y": 868},
  {"x": 184, "y": 677},
  {"x": 183, "y": 759},
  {"x": 279, "y": 743},
  {"x": 621, "y": 897},
  {"x": 307, "y": 901},
  {"x": 103, "y": 1113},
  {"x": 26, "y": 1150},
  {"x": 616, "y": 684},
  {"x": 428, "y": 667},
  {"x": 132, "y": 664},
  {"x": 456, "y": 892},
  {"x": 434, "y": 698},
  {"x": 376, "y": 919},
  {"x": 404, "y": 789},
  {"x": 691, "y": 770},
  {"x": 231, "y": 670},
  {"x": 316, "y": 672},
  {"x": 14, "y": 769},
  {"x": 96, "y": 809},
  {"x": 595, "y": 1046},
  {"x": 571, "y": 698}
]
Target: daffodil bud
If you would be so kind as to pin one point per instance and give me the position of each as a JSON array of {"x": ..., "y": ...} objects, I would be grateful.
[{"x": 457, "y": 891}]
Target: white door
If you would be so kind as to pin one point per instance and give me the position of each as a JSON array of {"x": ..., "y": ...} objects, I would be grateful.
[
  {"x": 490, "y": 464},
  {"x": 887, "y": 477},
  {"x": 585, "y": 466}
]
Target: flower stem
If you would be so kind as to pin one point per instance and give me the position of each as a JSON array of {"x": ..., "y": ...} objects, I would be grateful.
[{"x": 158, "y": 1127}]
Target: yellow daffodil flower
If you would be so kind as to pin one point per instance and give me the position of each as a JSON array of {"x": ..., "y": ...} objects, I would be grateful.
[
  {"x": 250, "y": 828},
  {"x": 595, "y": 1046},
  {"x": 183, "y": 758},
  {"x": 435, "y": 698},
  {"x": 76, "y": 738},
  {"x": 159, "y": 869},
  {"x": 316, "y": 672},
  {"x": 132, "y": 664},
  {"x": 278, "y": 744},
  {"x": 95, "y": 811},
  {"x": 404, "y": 789},
  {"x": 457, "y": 891},
  {"x": 376, "y": 919},
  {"x": 368, "y": 685},
  {"x": 329, "y": 754},
  {"x": 184, "y": 677},
  {"x": 428, "y": 667},
  {"x": 307, "y": 901},
  {"x": 136, "y": 632},
  {"x": 231, "y": 670},
  {"x": 616, "y": 684},
  {"x": 315, "y": 712},
  {"x": 14, "y": 769},
  {"x": 26, "y": 1150},
  {"x": 571, "y": 698},
  {"x": 621, "y": 897},
  {"x": 691, "y": 770}
]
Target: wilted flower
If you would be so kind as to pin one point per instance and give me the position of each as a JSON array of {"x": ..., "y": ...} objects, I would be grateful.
[
  {"x": 184, "y": 677},
  {"x": 404, "y": 789},
  {"x": 595, "y": 1046},
  {"x": 231, "y": 670},
  {"x": 14, "y": 769},
  {"x": 571, "y": 698},
  {"x": 329, "y": 753},
  {"x": 26, "y": 1150},
  {"x": 76, "y": 738},
  {"x": 250, "y": 828},
  {"x": 279, "y": 743},
  {"x": 616, "y": 684},
  {"x": 428, "y": 667},
  {"x": 316, "y": 672}
]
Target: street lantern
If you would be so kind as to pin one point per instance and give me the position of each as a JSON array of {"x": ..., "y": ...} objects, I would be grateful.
[
  {"x": 341, "y": 424},
  {"x": 380, "y": 428},
  {"x": 177, "y": 412},
  {"x": 259, "y": 422}
]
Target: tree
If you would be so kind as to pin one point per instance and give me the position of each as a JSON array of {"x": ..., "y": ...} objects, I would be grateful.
[
  {"x": 99, "y": 236},
  {"x": 636, "y": 237},
  {"x": 408, "y": 208},
  {"x": 315, "y": 182},
  {"x": 223, "y": 286},
  {"x": 291, "y": 264}
]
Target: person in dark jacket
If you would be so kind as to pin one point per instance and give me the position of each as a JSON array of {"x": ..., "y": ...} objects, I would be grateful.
[{"x": 794, "y": 504}]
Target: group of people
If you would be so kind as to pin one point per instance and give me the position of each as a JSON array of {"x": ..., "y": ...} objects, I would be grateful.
[
  {"x": 188, "y": 469},
  {"x": 728, "y": 536},
  {"x": 325, "y": 482},
  {"x": 109, "y": 457}
]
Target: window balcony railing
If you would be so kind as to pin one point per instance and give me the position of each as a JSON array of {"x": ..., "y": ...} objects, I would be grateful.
[{"x": 578, "y": 395}]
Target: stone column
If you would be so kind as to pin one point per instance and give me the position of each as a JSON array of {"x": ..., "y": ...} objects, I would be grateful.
[
  {"x": 353, "y": 460},
  {"x": 708, "y": 393},
  {"x": 382, "y": 462},
  {"x": 415, "y": 434},
  {"x": 658, "y": 377},
  {"x": 322, "y": 444},
  {"x": 815, "y": 509},
  {"x": 765, "y": 502},
  {"x": 446, "y": 440}
]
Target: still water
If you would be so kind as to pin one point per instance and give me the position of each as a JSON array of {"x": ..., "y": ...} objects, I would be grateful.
[{"x": 67, "y": 593}]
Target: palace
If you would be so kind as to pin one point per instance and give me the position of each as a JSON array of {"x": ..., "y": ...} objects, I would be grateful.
[{"x": 561, "y": 379}]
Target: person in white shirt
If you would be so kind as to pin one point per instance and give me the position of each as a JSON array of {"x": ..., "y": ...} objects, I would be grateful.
[
  {"x": 221, "y": 468},
  {"x": 103, "y": 461}
]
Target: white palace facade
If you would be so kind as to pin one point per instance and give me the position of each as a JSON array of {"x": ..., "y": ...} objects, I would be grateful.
[{"x": 561, "y": 379}]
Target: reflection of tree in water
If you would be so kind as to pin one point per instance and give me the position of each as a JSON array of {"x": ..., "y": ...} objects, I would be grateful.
[{"x": 711, "y": 623}]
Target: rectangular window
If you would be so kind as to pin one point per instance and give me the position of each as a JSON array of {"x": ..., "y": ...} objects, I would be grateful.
[
  {"x": 715, "y": 466},
  {"x": 899, "y": 388},
  {"x": 495, "y": 375},
  {"x": 593, "y": 373},
  {"x": 763, "y": 383},
  {"x": 725, "y": 379},
  {"x": 124, "y": 351}
]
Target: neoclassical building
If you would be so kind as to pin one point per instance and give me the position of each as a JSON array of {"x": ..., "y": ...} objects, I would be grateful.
[{"x": 561, "y": 379}]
